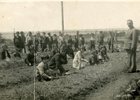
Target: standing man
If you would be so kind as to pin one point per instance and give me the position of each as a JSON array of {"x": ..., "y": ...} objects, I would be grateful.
[
  {"x": 100, "y": 39},
  {"x": 50, "y": 41},
  {"x": 92, "y": 41},
  {"x": 130, "y": 44},
  {"x": 17, "y": 41},
  {"x": 23, "y": 38},
  {"x": 76, "y": 43},
  {"x": 55, "y": 42},
  {"x": 70, "y": 42},
  {"x": 44, "y": 42},
  {"x": 29, "y": 40},
  {"x": 110, "y": 41},
  {"x": 81, "y": 41},
  {"x": 60, "y": 40}
]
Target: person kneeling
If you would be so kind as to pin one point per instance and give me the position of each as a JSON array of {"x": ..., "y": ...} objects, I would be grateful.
[
  {"x": 42, "y": 69},
  {"x": 30, "y": 58},
  {"x": 94, "y": 58},
  {"x": 77, "y": 61},
  {"x": 5, "y": 54}
]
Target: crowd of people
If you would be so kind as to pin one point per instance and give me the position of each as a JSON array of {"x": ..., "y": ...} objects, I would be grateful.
[{"x": 60, "y": 47}]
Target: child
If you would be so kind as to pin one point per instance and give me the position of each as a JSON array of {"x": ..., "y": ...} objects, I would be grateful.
[
  {"x": 94, "y": 58},
  {"x": 5, "y": 54},
  {"x": 30, "y": 59}
]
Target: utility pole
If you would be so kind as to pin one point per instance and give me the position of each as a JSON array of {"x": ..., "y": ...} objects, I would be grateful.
[{"x": 62, "y": 17}]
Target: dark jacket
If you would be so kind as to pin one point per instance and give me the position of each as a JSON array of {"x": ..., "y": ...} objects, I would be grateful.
[
  {"x": 50, "y": 40},
  {"x": 57, "y": 60},
  {"x": 3, "y": 53},
  {"x": 18, "y": 41}
]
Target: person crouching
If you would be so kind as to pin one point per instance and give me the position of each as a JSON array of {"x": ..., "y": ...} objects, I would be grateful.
[
  {"x": 5, "y": 54},
  {"x": 42, "y": 68},
  {"x": 78, "y": 58},
  {"x": 30, "y": 58},
  {"x": 103, "y": 52},
  {"x": 94, "y": 58}
]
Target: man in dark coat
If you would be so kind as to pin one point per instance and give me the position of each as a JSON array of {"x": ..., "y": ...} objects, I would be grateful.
[
  {"x": 75, "y": 43},
  {"x": 17, "y": 41},
  {"x": 70, "y": 41},
  {"x": 50, "y": 41},
  {"x": 23, "y": 38},
  {"x": 44, "y": 41},
  {"x": 100, "y": 39},
  {"x": 81, "y": 41},
  {"x": 57, "y": 60},
  {"x": 55, "y": 41},
  {"x": 5, "y": 54}
]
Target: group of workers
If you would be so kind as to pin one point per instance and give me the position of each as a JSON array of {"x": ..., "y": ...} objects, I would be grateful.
[{"x": 60, "y": 47}]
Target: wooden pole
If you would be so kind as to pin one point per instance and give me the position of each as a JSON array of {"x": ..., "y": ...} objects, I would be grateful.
[{"x": 62, "y": 17}]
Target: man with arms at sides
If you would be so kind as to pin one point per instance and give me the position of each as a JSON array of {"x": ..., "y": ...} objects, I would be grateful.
[{"x": 130, "y": 45}]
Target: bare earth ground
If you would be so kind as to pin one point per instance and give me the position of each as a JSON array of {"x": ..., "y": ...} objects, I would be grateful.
[{"x": 98, "y": 82}]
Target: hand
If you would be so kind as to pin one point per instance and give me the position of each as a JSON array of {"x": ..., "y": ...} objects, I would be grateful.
[{"x": 29, "y": 64}]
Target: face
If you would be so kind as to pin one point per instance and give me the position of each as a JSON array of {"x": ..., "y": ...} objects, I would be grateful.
[{"x": 130, "y": 24}]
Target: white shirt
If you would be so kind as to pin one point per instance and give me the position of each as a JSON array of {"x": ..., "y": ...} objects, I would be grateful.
[
  {"x": 92, "y": 38},
  {"x": 40, "y": 68},
  {"x": 77, "y": 56}
]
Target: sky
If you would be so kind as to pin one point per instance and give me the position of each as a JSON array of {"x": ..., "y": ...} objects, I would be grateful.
[{"x": 46, "y": 15}]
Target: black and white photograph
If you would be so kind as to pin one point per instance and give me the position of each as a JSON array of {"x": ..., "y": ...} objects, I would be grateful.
[{"x": 69, "y": 50}]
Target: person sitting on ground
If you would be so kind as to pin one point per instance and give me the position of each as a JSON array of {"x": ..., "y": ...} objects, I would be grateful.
[
  {"x": 30, "y": 58},
  {"x": 42, "y": 69},
  {"x": 94, "y": 58},
  {"x": 17, "y": 53},
  {"x": 5, "y": 54},
  {"x": 78, "y": 58},
  {"x": 57, "y": 60}
]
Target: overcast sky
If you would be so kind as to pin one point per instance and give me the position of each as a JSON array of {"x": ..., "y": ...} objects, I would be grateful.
[{"x": 29, "y": 16}]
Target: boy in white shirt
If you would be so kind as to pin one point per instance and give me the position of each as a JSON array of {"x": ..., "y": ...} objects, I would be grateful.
[{"x": 42, "y": 68}]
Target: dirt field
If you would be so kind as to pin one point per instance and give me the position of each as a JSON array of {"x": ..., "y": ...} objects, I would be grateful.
[{"x": 98, "y": 82}]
